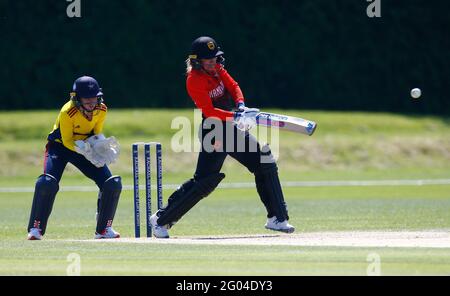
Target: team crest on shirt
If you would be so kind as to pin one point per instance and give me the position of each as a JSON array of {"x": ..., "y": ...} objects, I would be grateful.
[
  {"x": 211, "y": 45},
  {"x": 218, "y": 92}
]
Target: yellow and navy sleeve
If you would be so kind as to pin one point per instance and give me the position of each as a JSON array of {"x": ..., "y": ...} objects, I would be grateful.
[
  {"x": 66, "y": 130},
  {"x": 71, "y": 125},
  {"x": 101, "y": 119}
]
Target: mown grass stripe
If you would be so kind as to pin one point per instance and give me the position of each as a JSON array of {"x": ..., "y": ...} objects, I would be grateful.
[{"x": 352, "y": 183}]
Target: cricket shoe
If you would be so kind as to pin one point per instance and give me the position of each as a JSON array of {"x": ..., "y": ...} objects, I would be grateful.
[
  {"x": 159, "y": 231},
  {"x": 283, "y": 226},
  {"x": 109, "y": 232},
  {"x": 34, "y": 234}
]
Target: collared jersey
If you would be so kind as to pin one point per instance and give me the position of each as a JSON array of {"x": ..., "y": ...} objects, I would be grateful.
[
  {"x": 213, "y": 93},
  {"x": 71, "y": 125}
]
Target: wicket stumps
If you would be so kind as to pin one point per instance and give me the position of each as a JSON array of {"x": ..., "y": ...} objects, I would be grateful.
[{"x": 148, "y": 184}]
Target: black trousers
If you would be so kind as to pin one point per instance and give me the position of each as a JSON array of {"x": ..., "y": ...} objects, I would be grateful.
[
  {"x": 216, "y": 144},
  {"x": 218, "y": 140}
]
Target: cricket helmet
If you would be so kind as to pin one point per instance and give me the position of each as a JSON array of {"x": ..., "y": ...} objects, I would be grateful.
[
  {"x": 86, "y": 87},
  {"x": 204, "y": 48}
]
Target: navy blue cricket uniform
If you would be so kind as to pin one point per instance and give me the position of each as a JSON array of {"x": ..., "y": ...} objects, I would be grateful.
[{"x": 57, "y": 156}]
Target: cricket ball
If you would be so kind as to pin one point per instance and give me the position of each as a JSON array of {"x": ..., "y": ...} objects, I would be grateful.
[{"x": 416, "y": 93}]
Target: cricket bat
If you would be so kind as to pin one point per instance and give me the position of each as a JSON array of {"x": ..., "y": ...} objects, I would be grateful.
[{"x": 284, "y": 122}]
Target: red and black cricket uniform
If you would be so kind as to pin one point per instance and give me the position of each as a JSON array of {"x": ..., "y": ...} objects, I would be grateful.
[{"x": 216, "y": 95}]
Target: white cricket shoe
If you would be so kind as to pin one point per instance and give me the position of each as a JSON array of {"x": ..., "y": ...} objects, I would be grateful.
[
  {"x": 159, "y": 231},
  {"x": 34, "y": 234},
  {"x": 283, "y": 226},
  {"x": 109, "y": 232}
]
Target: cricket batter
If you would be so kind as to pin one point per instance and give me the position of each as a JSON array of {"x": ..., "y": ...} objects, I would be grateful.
[
  {"x": 77, "y": 138},
  {"x": 217, "y": 94}
]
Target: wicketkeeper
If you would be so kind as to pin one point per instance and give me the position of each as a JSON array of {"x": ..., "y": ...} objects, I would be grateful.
[
  {"x": 217, "y": 94},
  {"x": 77, "y": 138}
]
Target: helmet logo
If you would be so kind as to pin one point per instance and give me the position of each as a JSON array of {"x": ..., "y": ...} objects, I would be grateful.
[
  {"x": 91, "y": 85},
  {"x": 211, "y": 45}
]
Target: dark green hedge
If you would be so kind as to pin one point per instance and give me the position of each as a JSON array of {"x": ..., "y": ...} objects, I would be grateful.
[{"x": 315, "y": 54}]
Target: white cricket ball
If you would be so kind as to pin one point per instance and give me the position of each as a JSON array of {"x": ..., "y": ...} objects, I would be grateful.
[{"x": 416, "y": 93}]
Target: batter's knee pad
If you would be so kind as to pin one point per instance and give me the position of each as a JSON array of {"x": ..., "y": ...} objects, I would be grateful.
[
  {"x": 108, "y": 201},
  {"x": 44, "y": 196},
  {"x": 266, "y": 155},
  {"x": 270, "y": 191},
  {"x": 268, "y": 164},
  {"x": 187, "y": 196}
]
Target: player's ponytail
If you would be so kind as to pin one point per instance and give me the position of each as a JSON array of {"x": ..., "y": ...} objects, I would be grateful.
[{"x": 188, "y": 66}]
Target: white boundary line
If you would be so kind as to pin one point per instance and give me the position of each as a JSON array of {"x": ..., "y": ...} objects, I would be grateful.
[
  {"x": 369, "y": 239},
  {"x": 352, "y": 183}
]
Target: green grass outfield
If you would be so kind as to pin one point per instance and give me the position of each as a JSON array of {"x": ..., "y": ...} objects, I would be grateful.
[
  {"x": 233, "y": 212},
  {"x": 344, "y": 143},
  {"x": 346, "y": 146}
]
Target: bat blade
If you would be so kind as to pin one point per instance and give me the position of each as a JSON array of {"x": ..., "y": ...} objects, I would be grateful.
[{"x": 285, "y": 122}]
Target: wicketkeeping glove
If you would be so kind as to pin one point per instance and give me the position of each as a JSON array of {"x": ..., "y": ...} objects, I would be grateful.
[
  {"x": 85, "y": 149},
  {"x": 107, "y": 149},
  {"x": 100, "y": 151}
]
